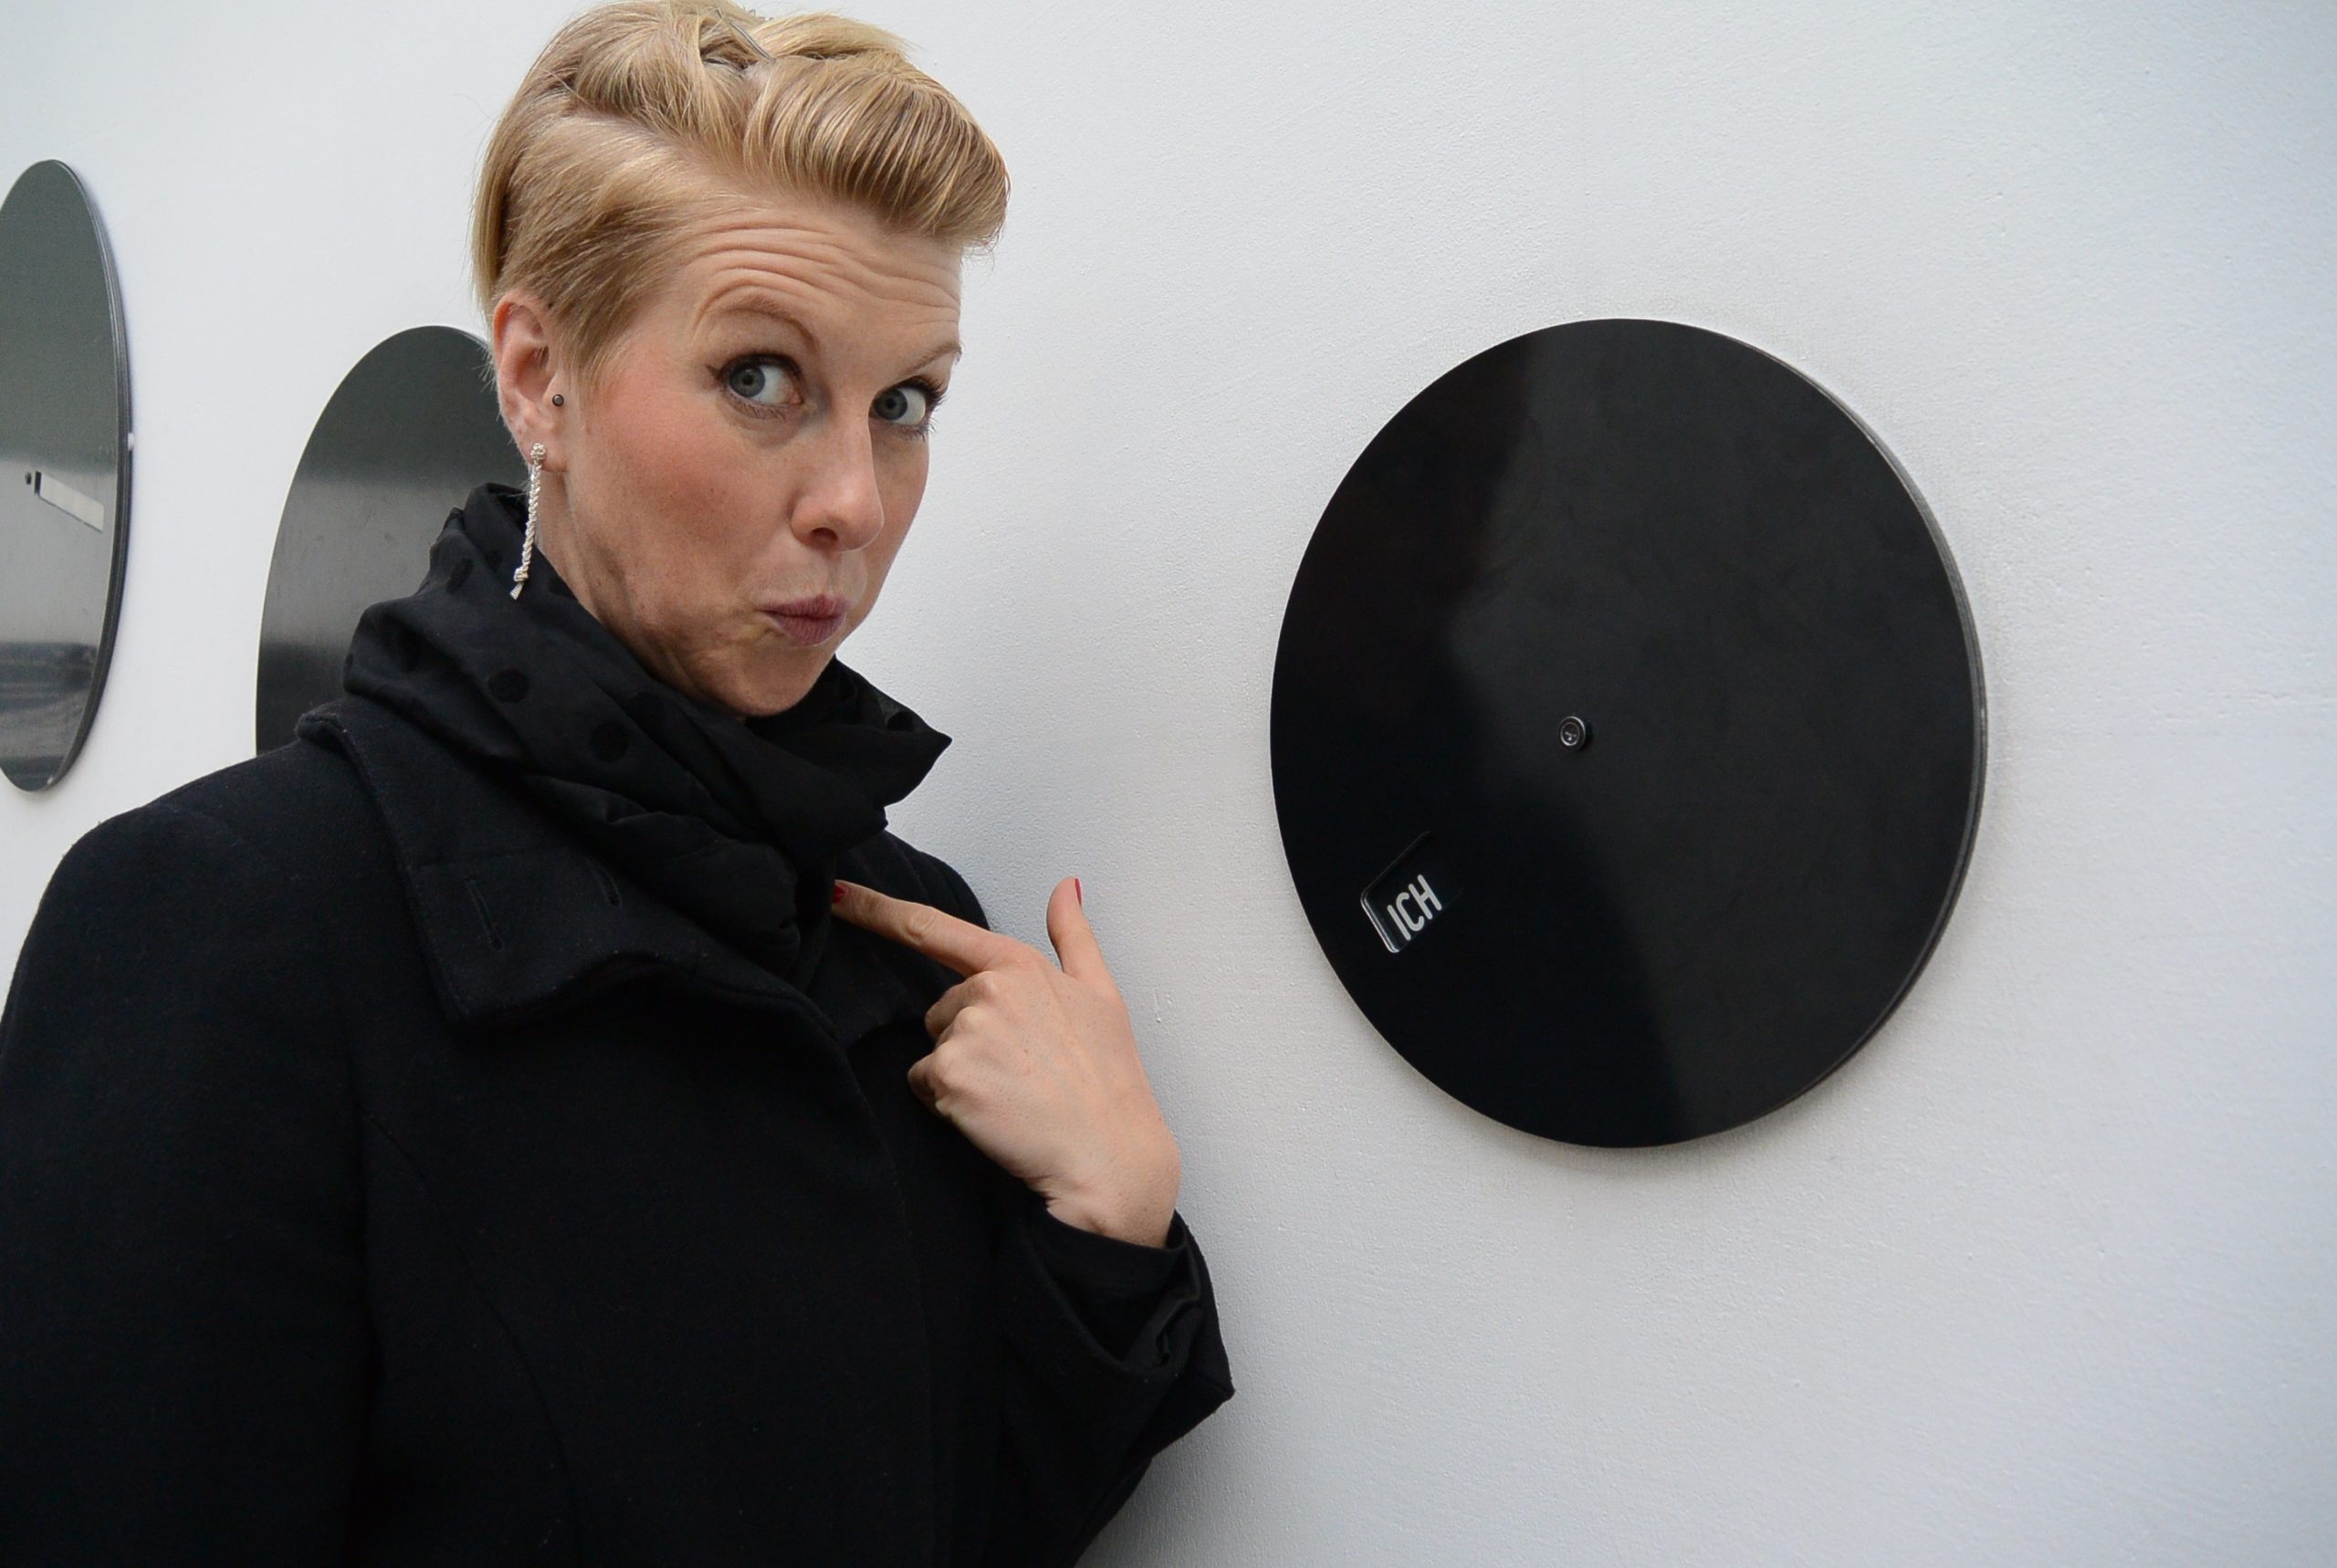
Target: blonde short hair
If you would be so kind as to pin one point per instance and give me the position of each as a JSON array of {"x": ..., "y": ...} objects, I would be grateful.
[{"x": 636, "y": 115}]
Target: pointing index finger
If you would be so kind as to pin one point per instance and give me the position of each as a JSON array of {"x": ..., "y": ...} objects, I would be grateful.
[{"x": 939, "y": 934}]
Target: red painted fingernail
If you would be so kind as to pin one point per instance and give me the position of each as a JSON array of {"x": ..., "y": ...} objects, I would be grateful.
[
  {"x": 836, "y": 893},
  {"x": 1079, "y": 893}
]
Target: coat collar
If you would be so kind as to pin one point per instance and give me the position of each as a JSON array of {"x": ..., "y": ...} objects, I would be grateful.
[{"x": 518, "y": 917}]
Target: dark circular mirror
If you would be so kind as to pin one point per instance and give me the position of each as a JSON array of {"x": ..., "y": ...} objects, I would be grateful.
[
  {"x": 65, "y": 440},
  {"x": 1627, "y": 733},
  {"x": 405, "y": 437}
]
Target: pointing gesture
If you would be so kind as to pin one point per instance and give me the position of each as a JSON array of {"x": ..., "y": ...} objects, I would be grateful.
[{"x": 1037, "y": 1065}]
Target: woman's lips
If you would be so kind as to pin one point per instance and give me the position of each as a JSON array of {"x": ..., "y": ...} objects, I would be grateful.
[{"x": 808, "y": 621}]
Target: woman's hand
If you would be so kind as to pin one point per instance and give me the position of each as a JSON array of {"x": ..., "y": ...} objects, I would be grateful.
[{"x": 1037, "y": 1065}]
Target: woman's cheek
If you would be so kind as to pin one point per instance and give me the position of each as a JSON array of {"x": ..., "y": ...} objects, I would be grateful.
[
  {"x": 700, "y": 530},
  {"x": 904, "y": 492}
]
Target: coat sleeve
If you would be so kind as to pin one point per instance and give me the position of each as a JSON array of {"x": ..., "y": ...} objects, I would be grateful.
[
  {"x": 1113, "y": 1354},
  {"x": 182, "y": 1339},
  {"x": 1082, "y": 1420}
]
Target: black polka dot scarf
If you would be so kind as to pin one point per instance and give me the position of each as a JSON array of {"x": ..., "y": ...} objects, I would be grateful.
[{"x": 737, "y": 823}]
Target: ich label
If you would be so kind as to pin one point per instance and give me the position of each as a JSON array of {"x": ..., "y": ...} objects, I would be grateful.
[{"x": 1415, "y": 891}]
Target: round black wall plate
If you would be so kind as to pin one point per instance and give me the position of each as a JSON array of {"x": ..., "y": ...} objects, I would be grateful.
[
  {"x": 65, "y": 446},
  {"x": 1627, "y": 733},
  {"x": 413, "y": 427}
]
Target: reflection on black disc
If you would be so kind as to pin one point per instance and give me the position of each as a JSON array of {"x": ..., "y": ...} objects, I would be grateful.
[
  {"x": 405, "y": 437},
  {"x": 65, "y": 444},
  {"x": 1627, "y": 733}
]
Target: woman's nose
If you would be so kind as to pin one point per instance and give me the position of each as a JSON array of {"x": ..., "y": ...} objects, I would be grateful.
[{"x": 840, "y": 506}]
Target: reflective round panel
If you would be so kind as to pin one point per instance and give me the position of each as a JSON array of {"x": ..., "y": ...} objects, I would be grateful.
[
  {"x": 63, "y": 471},
  {"x": 406, "y": 435},
  {"x": 1627, "y": 733}
]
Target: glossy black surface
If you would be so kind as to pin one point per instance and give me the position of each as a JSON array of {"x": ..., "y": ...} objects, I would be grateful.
[
  {"x": 65, "y": 442},
  {"x": 1693, "y": 901},
  {"x": 407, "y": 433}
]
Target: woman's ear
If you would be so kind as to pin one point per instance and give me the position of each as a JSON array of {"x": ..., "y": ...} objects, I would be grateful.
[{"x": 524, "y": 379}]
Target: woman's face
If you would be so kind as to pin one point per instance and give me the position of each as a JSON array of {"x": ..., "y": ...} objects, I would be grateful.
[{"x": 728, "y": 501}]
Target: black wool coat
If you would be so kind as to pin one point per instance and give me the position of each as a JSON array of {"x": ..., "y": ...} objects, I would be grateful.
[{"x": 384, "y": 1178}]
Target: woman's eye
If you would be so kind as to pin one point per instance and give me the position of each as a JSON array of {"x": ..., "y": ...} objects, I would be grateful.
[
  {"x": 905, "y": 404},
  {"x": 762, "y": 382}
]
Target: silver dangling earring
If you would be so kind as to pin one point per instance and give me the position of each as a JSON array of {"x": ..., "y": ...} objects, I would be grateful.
[{"x": 527, "y": 544}]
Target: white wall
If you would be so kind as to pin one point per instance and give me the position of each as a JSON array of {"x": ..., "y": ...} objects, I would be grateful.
[{"x": 2045, "y": 1274}]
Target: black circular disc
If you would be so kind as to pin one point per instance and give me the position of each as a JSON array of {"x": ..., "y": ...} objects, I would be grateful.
[
  {"x": 65, "y": 444},
  {"x": 413, "y": 427},
  {"x": 1627, "y": 733}
]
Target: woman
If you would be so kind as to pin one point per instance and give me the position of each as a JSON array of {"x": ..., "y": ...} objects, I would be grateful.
[{"x": 539, "y": 1115}]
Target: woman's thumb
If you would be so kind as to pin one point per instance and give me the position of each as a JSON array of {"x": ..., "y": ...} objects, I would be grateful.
[{"x": 1074, "y": 939}]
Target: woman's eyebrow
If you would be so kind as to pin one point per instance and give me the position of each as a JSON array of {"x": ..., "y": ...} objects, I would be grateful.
[
  {"x": 949, "y": 350},
  {"x": 755, "y": 303}
]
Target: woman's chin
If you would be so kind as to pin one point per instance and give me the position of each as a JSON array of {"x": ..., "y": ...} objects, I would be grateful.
[{"x": 774, "y": 685}]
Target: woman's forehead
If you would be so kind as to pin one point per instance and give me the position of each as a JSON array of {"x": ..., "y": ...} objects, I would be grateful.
[{"x": 823, "y": 266}]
